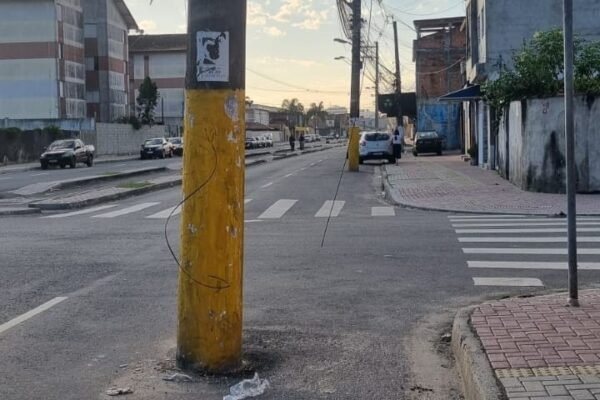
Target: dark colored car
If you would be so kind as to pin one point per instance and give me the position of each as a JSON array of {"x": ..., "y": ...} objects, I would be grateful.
[
  {"x": 427, "y": 142},
  {"x": 156, "y": 148},
  {"x": 177, "y": 145},
  {"x": 67, "y": 152}
]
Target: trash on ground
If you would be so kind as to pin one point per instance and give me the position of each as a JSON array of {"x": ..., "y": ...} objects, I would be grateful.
[
  {"x": 119, "y": 391},
  {"x": 447, "y": 337},
  {"x": 178, "y": 377},
  {"x": 123, "y": 365},
  {"x": 248, "y": 388}
]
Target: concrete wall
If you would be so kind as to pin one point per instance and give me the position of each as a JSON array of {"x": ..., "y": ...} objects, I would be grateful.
[
  {"x": 496, "y": 44},
  {"x": 444, "y": 118},
  {"x": 121, "y": 139},
  {"x": 536, "y": 145}
]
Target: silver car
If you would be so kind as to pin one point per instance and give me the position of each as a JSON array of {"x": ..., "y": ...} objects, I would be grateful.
[{"x": 376, "y": 146}]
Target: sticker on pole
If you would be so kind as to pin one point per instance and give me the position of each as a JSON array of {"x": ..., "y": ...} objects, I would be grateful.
[{"x": 213, "y": 56}]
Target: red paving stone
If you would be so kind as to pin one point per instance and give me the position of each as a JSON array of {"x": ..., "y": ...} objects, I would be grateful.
[{"x": 566, "y": 337}]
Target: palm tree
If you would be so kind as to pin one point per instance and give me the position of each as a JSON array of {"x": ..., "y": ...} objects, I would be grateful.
[
  {"x": 316, "y": 114},
  {"x": 292, "y": 106}
]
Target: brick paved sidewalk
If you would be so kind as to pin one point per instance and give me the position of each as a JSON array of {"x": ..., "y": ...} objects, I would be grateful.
[
  {"x": 541, "y": 349},
  {"x": 447, "y": 183}
]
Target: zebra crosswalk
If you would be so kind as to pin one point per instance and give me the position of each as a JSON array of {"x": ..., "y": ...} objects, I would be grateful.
[
  {"x": 503, "y": 244},
  {"x": 278, "y": 210}
]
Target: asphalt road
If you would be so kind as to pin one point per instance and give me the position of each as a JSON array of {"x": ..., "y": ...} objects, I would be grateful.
[
  {"x": 16, "y": 180},
  {"x": 320, "y": 322}
]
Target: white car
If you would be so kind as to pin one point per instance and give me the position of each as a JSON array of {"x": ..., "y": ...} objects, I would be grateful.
[{"x": 376, "y": 146}]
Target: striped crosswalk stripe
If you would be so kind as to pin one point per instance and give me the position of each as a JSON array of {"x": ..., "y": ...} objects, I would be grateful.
[
  {"x": 278, "y": 209},
  {"x": 500, "y": 216},
  {"x": 164, "y": 214},
  {"x": 516, "y": 282},
  {"x": 383, "y": 211},
  {"x": 521, "y": 220},
  {"x": 246, "y": 201},
  {"x": 516, "y": 224},
  {"x": 128, "y": 210},
  {"x": 330, "y": 208},
  {"x": 528, "y": 251},
  {"x": 530, "y": 265},
  {"x": 81, "y": 212},
  {"x": 524, "y": 230},
  {"x": 548, "y": 239}
]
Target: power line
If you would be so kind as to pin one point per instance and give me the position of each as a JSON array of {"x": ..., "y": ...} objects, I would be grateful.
[{"x": 300, "y": 88}]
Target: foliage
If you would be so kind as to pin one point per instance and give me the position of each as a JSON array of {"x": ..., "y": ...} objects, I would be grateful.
[
  {"x": 292, "y": 106},
  {"x": 54, "y": 131},
  {"x": 147, "y": 101},
  {"x": 316, "y": 110},
  {"x": 133, "y": 120},
  {"x": 11, "y": 134},
  {"x": 539, "y": 70},
  {"x": 249, "y": 101}
]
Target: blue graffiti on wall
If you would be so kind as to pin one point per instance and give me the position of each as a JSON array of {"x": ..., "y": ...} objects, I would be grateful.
[{"x": 443, "y": 118}]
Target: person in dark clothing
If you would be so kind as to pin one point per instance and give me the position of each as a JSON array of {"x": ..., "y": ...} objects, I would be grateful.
[
  {"x": 292, "y": 142},
  {"x": 301, "y": 139},
  {"x": 397, "y": 140}
]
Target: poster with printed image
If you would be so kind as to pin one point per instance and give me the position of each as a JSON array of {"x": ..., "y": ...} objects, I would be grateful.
[{"x": 213, "y": 56}]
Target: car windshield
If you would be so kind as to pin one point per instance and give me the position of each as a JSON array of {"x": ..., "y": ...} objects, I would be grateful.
[
  {"x": 376, "y": 137},
  {"x": 176, "y": 141},
  {"x": 426, "y": 135},
  {"x": 62, "y": 144},
  {"x": 153, "y": 141}
]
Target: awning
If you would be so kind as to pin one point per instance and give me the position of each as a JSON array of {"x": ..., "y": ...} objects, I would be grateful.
[{"x": 466, "y": 94}]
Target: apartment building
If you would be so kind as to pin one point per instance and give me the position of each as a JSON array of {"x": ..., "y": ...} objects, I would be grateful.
[
  {"x": 42, "y": 71},
  {"x": 163, "y": 59},
  {"x": 106, "y": 28}
]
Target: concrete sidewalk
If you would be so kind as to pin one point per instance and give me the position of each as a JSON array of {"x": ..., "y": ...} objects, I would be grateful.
[
  {"x": 539, "y": 348},
  {"x": 447, "y": 183},
  {"x": 11, "y": 168}
]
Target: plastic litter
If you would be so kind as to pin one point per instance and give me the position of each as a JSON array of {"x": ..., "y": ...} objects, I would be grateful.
[
  {"x": 248, "y": 388},
  {"x": 119, "y": 391}
]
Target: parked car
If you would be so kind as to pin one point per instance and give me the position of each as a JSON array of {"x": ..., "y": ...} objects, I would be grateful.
[
  {"x": 376, "y": 146},
  {"x": 67, "y": 152},
  {"x": 317, "y": 137},
  {"x": 156, "y": 148},
  {"x": 268, "y": 140},
  {"x": 249, "y": 144},
  {"x": 177, "y": 145},
  {"x": 427, "y": 142}
]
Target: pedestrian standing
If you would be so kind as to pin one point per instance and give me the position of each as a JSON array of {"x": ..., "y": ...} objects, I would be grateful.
[
  {"x": 301, "y": 140},
  {"x": 292, "y": 141},
  {"x": 397, "y": 140}
]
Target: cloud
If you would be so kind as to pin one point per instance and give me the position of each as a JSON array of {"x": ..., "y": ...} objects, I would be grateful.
[
  {"x": 148, "y": 25},
  {"x": 274, "y": 31},
  {"x": 257, "y": 16},
  {"x": 278, "y": 61}
]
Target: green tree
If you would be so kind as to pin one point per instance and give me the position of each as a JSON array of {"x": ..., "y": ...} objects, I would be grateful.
[
  {"x": 147, "y": 101},
  {"x": 316, "y": 114}
]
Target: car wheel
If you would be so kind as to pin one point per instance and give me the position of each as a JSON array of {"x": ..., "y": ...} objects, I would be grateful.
[
  {"x": 391, "y": 160},
  {"x": 361, "y": 160},
  {"x": 90, "y": 161},
  {"x": 73, "y": 162},
  {"x": 44, "y": 165},
  {"x": 439, "y": 153},
  {"x": 415, "y": 154},
  {"x": 142, "y": 157},
  {"x": 163, "y": 155},
  {"x": 63, "y": 165}
]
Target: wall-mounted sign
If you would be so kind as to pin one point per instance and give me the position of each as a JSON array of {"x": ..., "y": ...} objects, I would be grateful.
[{"x": 212, "y": 64}]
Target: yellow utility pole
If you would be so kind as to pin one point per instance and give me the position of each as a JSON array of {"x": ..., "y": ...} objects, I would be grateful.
[
  {"x": 209, "y": 333},
  {"x": 353, "y": 144}
]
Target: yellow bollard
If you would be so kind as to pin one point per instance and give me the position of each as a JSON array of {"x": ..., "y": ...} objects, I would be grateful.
[
  {"x": 209, "y": 334},
  {"x": 353, "y": 150}
]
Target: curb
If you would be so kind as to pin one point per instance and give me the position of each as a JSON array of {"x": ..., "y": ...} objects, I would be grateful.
[
  {"x": 387, "y": 187},
  {"x": 478, "y": 379},
  {"x": 103, "y": 199},
  {"x": 98, "y": 178},
  {"x": 19, "y": 211},
  {"x": 37, "y": 167},
  {"x": 262, "y": 153}
]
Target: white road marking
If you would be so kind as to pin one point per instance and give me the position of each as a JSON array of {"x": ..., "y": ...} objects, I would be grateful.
[
  {"x": 166, "y": 213},
  {"x": 555, "y": 239},
  {"x": 530, "y": 265},
  {"x": 5, "y": 178},
  {"x": 517, "y": 282},
  {"x": 312, "y": 165},
  {"x": 267, "y": 185},
  {"x": 246, "y": 201},
  {"x": 383, "y": 212},
  {"x": 485, "y": 216},
  {"x": 330, "y": 207},
  {"x": 119, "y": 165},
  {"x": 505, "y": 220},
  {"x": 535, "y": 230},
  {"x": 302, "y": 169},
  {"x": 517, "y": 224},
  {"x": 288, "y": 175},
  {"x": 30, "y": 314},
  {"x": 81, "y": 212},
  {"x": 252, "y": 220},
  {"x": 128, "y": 210},
  {"x": 278, "y": 209},
  {"x": 533, "y": 251},
  {"x": 41, "y": 174}
]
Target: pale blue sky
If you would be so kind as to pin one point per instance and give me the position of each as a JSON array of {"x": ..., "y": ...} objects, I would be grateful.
[{"x": 290, "y": 42}]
